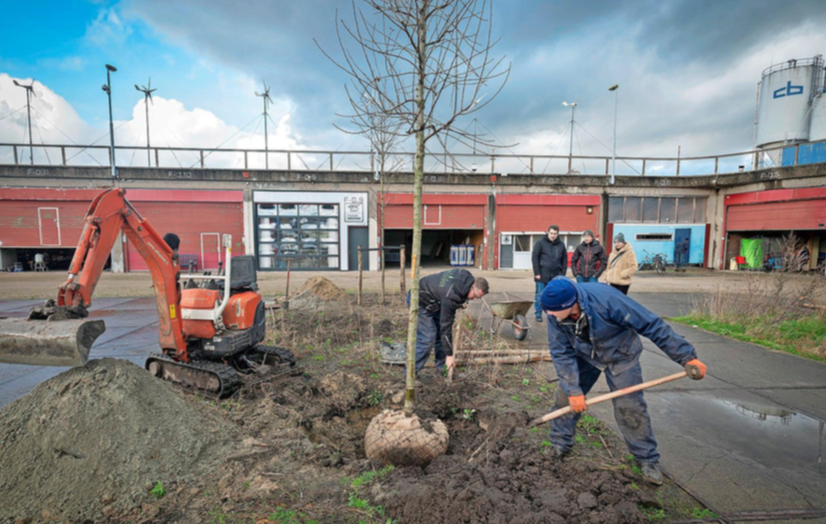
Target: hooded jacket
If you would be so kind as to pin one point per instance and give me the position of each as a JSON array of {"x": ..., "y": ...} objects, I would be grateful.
[
  {"x": 550, "y": 259},
  {"x": 444, "y": 293},
  {"x": 589, "y": 260},
  {"x": 622, "y": 265},
  {"x": 615, "y": 323}
]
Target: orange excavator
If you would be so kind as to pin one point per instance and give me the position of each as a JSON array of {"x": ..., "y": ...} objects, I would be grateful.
[{"x": 210, "y": 329}]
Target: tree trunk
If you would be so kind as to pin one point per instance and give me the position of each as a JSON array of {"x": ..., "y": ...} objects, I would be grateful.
[{"x": 418, "y": 179}]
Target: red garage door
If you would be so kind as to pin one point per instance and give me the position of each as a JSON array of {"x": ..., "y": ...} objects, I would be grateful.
[
  {"x": 43, "y": 217},
  {"x": 793, "y": 215},
  {"x": 196, "y": 217},
  {"x": 439, "y": 211}
]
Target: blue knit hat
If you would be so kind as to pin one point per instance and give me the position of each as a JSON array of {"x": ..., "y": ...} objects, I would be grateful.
[{"x": 559, "y": 294}]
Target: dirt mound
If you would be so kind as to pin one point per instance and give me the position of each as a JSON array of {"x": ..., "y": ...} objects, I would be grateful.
[
  {"x": 322, "y": 288},
  {"x": 91, "y": 440},
  {"x": 344, "y": 390},
  {"x": 507, "y": 480}
]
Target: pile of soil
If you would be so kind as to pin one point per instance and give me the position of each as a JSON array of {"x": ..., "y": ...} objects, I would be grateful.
[
  {"x": 92, "y": 440},
  {"x": 322, "y": 288}
]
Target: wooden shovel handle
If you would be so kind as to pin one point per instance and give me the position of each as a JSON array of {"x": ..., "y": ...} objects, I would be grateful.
[{"x": 609, "y": 396}]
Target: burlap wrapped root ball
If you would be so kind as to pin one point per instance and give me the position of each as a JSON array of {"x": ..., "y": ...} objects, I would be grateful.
[{"x": 393, "y": 438}]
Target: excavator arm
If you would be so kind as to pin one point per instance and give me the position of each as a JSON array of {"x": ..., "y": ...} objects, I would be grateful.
[{"x": 67, "y": 342}]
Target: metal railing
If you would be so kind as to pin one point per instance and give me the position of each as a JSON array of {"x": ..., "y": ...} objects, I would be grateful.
[{"x": 187, "y": 158}]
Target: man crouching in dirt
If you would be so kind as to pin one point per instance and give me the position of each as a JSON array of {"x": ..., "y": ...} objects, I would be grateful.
[
  {"x": 594, "y": 328},
  {"x": 440, "y": 295}
]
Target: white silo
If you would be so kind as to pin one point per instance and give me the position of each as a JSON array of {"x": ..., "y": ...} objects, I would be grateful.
[
  {"x": 817, "y": 129},
  {"x": 785, "y": 103}
]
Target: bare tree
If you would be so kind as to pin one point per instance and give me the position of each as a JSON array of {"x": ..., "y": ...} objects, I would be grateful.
[{"x": 426, "y": 64}]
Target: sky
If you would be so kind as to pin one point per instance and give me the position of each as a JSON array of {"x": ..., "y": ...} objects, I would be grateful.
[{"x": 687, "y": 71}]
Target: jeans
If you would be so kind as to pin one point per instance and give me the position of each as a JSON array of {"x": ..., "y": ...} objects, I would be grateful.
[
  {"x": 537, "y": 304},
  {"x": 428, "y": 334},
  {"x": 630, "y": 412},
  {"x": 580, "y": 279}
]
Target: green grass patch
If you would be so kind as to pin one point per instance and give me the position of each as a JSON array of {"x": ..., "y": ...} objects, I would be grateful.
[
  {"x": 801, "y": 336},
  {"x": 289, "y": 516}
]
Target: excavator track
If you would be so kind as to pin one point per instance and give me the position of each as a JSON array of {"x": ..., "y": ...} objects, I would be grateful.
[
  {"x": 211, "y": 378},
  {"x": 284, "y": 355}
]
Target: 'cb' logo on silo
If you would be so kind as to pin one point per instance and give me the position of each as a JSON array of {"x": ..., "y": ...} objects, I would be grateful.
[{"x": 789, "y": 90}]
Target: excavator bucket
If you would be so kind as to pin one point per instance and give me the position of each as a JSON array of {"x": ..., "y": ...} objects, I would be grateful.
[{"x": 48, "y": 342}]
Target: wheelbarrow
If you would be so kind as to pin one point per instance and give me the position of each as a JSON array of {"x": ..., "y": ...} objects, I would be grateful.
[{"x": 512, "y": 312}]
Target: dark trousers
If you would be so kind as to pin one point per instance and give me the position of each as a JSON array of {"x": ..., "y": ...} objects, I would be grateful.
[
  {"x": 537, "y": 306},
  {"x": 630, "y": 412},
  {"x": 428, "y": 335},
  {"x": 623, "y": 289}
]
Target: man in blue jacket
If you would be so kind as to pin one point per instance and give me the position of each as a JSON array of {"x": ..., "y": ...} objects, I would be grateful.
[{"x": 593, "y": 329}]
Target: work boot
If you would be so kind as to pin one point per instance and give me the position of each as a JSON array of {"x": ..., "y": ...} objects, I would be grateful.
[
  {"x": 651, "y": 473},
  {"x": 539, "y": 317},
  {"x": 560, "y": 452}
]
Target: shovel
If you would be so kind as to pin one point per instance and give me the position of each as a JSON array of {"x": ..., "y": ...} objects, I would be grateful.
[{"x": 608, "y": 396}]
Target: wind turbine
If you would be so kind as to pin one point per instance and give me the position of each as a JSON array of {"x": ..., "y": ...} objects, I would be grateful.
[
  {"x": 29, "y": 93},
  {"x": 147, "y": 97},
  {"x": 267, "y": 100}
]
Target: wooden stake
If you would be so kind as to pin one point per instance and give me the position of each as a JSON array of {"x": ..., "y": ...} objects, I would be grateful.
[
  {"x": 381, "y": 254},
  {"x": 360, "y": 275},
  {"x": 287, "y": 293},
  {"x": 401, "y": 275}
]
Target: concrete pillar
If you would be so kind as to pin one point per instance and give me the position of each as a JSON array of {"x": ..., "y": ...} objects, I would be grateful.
[
  {"x": 716, "y": 211},
  {"x": 118, "y": 264},
  {"x": 249, "y": 222},
  {"x": 8, "y": 257}
]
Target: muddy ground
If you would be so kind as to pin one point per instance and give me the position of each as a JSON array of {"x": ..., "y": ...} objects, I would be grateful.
[{"x": 288, "y": 448}]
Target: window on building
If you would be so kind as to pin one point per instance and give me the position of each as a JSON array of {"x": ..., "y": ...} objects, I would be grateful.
[
  {"x": 522, "y": 243},
  {"x": 668, "y": 210},
  {"x": 654, "y": 237},
  {"x": 572, "y": 241},
  {"x": 615, "y": 209},
  {"x": 633, "y": 209},
  {"x": 304, "y": 235},
  {"x": 685, "y": 210},
  {"x": 650, "y": 209},
  {"x": 700, "y": 210}
]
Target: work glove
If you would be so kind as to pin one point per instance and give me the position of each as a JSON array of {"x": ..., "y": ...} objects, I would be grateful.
[
  {"x": 577, "y": 403},
  {"x": 695, "y": 369}
]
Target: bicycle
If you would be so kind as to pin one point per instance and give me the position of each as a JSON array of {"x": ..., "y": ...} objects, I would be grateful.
[{"x": 657, "y": 262}]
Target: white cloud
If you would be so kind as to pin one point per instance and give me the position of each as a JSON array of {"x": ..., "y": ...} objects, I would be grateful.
[
  {"x": 54, "y": 121},
  {"x": 108, "y": 28}
]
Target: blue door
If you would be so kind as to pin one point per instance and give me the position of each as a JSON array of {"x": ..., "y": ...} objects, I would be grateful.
[{"x": 682, "y": 246}]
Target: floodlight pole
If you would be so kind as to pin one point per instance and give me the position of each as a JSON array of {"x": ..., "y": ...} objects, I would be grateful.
[
  {"x": 108, "y": 89},
  {"x": 29, "y": 111},
  {"x": 266, "y": 138},
  {"x": 29, "y": 91},
  {"x": 148, "y": 156},
  {"x": 572, "y": 105},
  {"x": 615, "y": 89}
]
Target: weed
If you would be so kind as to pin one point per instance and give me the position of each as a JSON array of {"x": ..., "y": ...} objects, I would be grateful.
[
  {"x": 704, "y": 513},
  {"x": 289, "y": 516},
  {"x": 653, "y": 515},
  {"x": 374, "y": 375},
  {"x": 158, "y": 490},
  {"x": 515, "y": 397},
  {"x": 218, "y": 516},
  {"x": 318, "y": 357},
  {"x": 369, "y": 476},
  {"x": 374, "y": 398},
  {"x": 543, "y": 389},
  {"x": 246, "y": 485},
  {"x": 526, "y": 382},
  {"x": 468, "y": 414},
  {"x": 534, "y": 430},
  {"x": 545, "y": 443},
  {"x": 634, "y": 485}
]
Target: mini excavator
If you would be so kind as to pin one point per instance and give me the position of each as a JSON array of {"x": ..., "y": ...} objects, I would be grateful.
[{"x": 210, "y": 328}]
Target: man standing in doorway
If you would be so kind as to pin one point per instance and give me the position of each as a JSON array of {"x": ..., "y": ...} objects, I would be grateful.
[
  {"x": 589, "y": 259},
  {"x": 550, "y": 259},
  {"x": 440, "y": 295}
]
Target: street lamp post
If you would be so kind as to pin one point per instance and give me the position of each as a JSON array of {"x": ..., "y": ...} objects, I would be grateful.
[
  {"x": 614, "y": 88},
  {"x": 107, "y": 88},
  {"x": 572, "y": 105},
  {"x": 29, "y": 93}
]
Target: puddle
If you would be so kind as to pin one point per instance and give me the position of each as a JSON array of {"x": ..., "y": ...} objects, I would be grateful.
[{"x": 750, "y": 429}]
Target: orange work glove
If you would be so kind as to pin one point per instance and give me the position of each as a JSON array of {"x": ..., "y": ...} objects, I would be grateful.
[
  {"x": 695, "y": 369},
  {"x": 577, "y": 403}
]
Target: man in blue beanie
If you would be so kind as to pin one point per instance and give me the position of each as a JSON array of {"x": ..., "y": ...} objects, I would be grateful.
[{"x": 593, "y": 329}]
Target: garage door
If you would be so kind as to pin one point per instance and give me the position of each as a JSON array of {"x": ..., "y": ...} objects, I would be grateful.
[
  {"x": 799, "y": 215},
  {"x": 200, "y": 226}
]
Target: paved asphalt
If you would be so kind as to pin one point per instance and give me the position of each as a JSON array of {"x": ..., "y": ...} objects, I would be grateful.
[{"x": 748, "y": 437}]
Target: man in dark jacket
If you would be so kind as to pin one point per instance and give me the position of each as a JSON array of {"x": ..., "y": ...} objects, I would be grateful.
[
  {"x": 440, "y": 295},
  {"x": 550, "y": 259},
  {"x": 593, "y": 329},
  {"x": 589, "y": 259}
]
